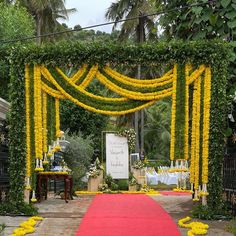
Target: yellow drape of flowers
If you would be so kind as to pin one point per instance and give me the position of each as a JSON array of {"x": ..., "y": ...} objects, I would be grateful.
[
  {"x": 28, "y": 137},
  {"x": 186, "y": 131},
  {"x": 45, "y": 143},
  {"x": 57, "y": 110},
  {"x": 155, "y": 89},
  {"x": 197, "y": 133},
  {"x": 38, "y": 113},
  {"x": 173, "y": 116}
]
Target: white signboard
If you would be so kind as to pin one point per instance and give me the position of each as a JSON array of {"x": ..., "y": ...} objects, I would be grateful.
[{"x": 117, "y": 156}]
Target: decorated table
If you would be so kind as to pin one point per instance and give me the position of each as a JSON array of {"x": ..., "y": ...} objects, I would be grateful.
[{"x": 42, "y": 183}]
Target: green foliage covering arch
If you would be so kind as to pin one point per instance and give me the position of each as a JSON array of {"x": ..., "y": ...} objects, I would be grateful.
[{"x": 212, "y": 53}]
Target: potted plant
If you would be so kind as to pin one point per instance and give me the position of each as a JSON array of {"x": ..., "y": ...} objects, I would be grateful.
[
  {"x": 132, "y": 183},
  {"x": 95, "y": 176}
]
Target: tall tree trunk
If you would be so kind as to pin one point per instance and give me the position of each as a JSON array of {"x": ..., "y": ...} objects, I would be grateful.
[
  {"x": 140, "y": 129},
  {"x": 136, "y": 119},
  {"x": 39, "y": 27}
]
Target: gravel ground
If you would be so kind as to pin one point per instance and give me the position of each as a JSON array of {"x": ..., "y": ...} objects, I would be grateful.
[{"x": 62, "y": 218}]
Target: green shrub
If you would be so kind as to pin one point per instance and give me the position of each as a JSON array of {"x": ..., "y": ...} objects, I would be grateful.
[
  {"x": 109, "y": 180},
  {"x": 206, "y": 213},
  {"x": 114, "y": 186},
  {"x": 158, "y": 162},
  {"x": 123, "y": 184},
  {"x": 21, "y": 209},
  {"x": 78, "y": 157}
]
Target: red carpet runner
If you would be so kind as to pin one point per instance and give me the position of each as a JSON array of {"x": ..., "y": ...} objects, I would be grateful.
[{"x": 126, "y": 215}]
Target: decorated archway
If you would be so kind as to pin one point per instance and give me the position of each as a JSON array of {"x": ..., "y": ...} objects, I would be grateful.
[{"x": 195, "y": 78}]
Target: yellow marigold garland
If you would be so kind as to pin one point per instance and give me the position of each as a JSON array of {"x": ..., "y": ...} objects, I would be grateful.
[
  {"x": 45, "y": 142},
  {"x": 195, "y": 227},
  {"x": 36, "y": 124},
  {"x": 27, "y": 227},
  {"x": 38, "y": 119},
  {"x": 89, "y": 76},
  {"x": 173, "y": 116},
  {"x": 206, "y": 124},
  {"x": 57, "y": 111},
  {"x": 76, "y": 77},
  {"x": 68, "y": 96},
  {"x": 197, "y": 146},
  {"x": 186, "y": 131},
  {"x": 52, "y": 92},
  {"x": 54, "y": 173},
  {"x": 182, "y": 190},
  {"x": 193, "y": 138},
  {"x": 165, "y": 79},
  {"x": 131, "y": 94},
  {"x": 78, "y": 87},
  {"x": 129, "y": 80},
  {"x": 197, "y": 73},
  {"x": 27, "y": 113}
]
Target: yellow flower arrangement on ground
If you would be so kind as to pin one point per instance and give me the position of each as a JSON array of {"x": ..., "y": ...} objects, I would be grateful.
[
  {"x": 195, "y": 227},
  {"x": 54, "y": 173},
  {"x": 182, "y": 190},
  {"x": 150, "y": 192},
  {"x": 27, "y": 227}
]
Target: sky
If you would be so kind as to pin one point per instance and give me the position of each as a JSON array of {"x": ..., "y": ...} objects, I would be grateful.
[{"x": 89, "y": 12}]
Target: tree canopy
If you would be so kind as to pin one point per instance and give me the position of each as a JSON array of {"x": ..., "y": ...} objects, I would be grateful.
[{"x": 15, "y": 22}]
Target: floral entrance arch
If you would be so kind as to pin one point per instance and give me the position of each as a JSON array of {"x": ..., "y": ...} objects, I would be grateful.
[{"x": 196, "y": 78}]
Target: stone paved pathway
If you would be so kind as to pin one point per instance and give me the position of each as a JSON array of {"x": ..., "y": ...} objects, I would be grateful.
[{"x": 180, "y": 206}]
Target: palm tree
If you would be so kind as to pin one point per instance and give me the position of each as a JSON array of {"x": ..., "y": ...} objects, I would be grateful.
[
  {"x": 141, "y": 28},
  {"x": 124, "y": 9},
  {"x": 46, "y": 14}
]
